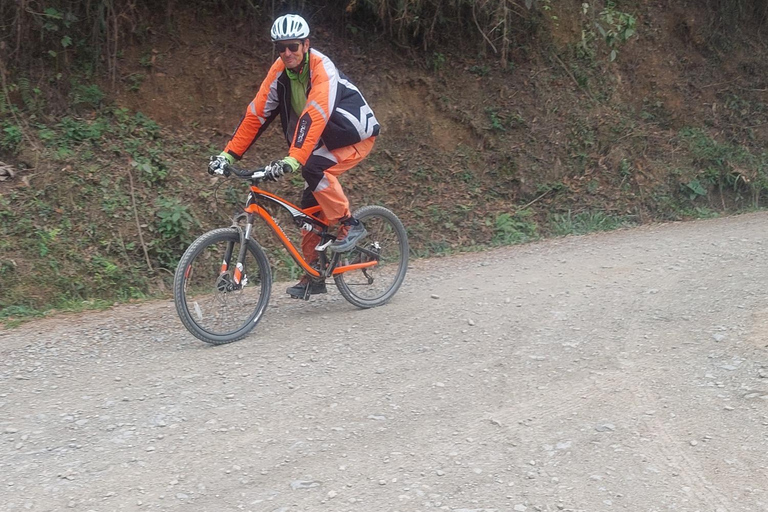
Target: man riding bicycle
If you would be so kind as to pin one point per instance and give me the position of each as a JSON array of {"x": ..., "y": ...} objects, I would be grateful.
[{"x": 329, "y": 128}]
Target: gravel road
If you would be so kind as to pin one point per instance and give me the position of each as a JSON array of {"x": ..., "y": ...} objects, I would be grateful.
[{"x": 617, "y": 371}]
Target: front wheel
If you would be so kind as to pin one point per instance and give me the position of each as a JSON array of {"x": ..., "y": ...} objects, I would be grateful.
[
  {"x": 210, "y": 301},
  {"x": 387, "y": 243}
]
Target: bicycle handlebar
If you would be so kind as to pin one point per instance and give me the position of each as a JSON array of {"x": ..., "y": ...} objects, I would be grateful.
[{"x": 246, "y": 174}]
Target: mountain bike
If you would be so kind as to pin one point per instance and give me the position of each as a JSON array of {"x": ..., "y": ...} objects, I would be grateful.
[{"x": 223, "y": 281}]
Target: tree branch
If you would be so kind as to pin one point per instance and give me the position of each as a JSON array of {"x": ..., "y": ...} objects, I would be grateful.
[{"x": 138, "y": 223}]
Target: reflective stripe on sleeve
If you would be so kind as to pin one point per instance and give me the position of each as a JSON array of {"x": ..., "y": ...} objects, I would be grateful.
[{"x": 317, "y": 106}]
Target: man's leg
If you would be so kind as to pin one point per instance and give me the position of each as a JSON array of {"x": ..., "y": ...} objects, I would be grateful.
[
  {"x": 323, "y": 188},
  {"x": 306, "y": 287},
  {"x": 309, "y": 240},
  {"x": 321, "y": 175}
]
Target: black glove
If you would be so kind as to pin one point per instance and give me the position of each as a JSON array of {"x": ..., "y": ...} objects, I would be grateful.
[{"x": 277, "y": 169}]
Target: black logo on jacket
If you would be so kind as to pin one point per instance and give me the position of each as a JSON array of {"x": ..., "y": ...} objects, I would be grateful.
[{"x": 301, "y": 131}]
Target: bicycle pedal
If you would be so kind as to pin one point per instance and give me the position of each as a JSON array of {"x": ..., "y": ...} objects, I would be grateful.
[{"x": 304, "y": 296}]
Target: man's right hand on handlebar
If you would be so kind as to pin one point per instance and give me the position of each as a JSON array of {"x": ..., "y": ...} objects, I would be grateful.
[{"x": 220, "y": 163}]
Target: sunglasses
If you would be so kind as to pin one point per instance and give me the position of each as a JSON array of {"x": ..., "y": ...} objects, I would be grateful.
[{"x": 281, "y": 47}]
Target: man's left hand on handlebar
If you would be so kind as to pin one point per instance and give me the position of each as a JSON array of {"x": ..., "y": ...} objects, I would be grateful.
[{"x": 278, "y": 168}]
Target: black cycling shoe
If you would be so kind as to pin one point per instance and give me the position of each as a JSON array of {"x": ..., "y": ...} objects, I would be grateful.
[
  {"x": 299, "y": 290},
  {"x": 350, "y": 232}
]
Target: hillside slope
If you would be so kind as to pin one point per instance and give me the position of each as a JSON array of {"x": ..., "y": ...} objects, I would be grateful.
[{"x": 472, "y": 153}]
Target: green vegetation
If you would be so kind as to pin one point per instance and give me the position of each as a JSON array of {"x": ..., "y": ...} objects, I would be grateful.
[
  {"x": 612, "y": 26},
  {"x": 72, "y": 229},
  {"x": 514, "y": 228},
  {"x": 585, "y": 222},
  {"x": 175, "y": 228},
  {"x": 549, "y": 141},
  {"x": 724, "y": 166}
]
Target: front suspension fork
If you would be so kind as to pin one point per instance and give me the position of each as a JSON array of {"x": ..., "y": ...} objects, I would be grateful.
[{"x": 238, "y": 276}]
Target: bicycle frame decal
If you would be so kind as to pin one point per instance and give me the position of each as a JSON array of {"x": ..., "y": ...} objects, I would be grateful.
[{"x": 296, "y": 212}]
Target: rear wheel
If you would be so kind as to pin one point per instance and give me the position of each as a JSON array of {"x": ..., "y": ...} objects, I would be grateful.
[
  {"x": 387, "y": 243},
  {"x": 211, "y": 305}
]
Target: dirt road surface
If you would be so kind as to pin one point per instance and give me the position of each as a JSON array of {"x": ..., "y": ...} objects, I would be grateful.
[{"x": 617, "y": 371}]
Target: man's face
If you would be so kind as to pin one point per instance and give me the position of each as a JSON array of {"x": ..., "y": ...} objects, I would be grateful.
[{"x": 292, "y": 52}]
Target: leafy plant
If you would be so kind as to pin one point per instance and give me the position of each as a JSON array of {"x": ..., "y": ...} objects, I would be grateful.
[
  {"x": 614, "y": 27},
  {"x": 479, "y": 70},
  {"x": 497, "y": 123},
  {"x": 146, "y": 61},
  {"x": 175, "y": 226},
  {"x": 151, "y": 169},
  {"x": 135, "y": 80},
  {"x": 11, "y": 137},
  {"x": 514, "y": 228},
  {"x": 693, "y": 189},
  {"x": 47, "y": 238},
  {"x": 438, "y": 61},
  {"x": 31, "y": 97},
  {"x": 90, "y": 95}
]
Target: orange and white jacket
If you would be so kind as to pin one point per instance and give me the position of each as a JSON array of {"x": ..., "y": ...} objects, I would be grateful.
[{"x": 335, "y": 115}]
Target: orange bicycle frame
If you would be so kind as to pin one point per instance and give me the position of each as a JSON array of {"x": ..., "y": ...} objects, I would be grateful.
[{"x": 306, "y": 220}]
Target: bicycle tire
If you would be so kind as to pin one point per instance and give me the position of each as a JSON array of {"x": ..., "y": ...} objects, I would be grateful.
[
  {"x": 387, "y": 237},
  {"x": 210, "y": 305}
]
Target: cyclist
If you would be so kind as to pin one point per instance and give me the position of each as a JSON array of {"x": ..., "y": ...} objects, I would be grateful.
[{"x": 329, "y": 128}]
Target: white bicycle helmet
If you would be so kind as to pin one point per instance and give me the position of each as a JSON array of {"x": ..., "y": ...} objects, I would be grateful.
[{"x": 289, "y": 26}]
